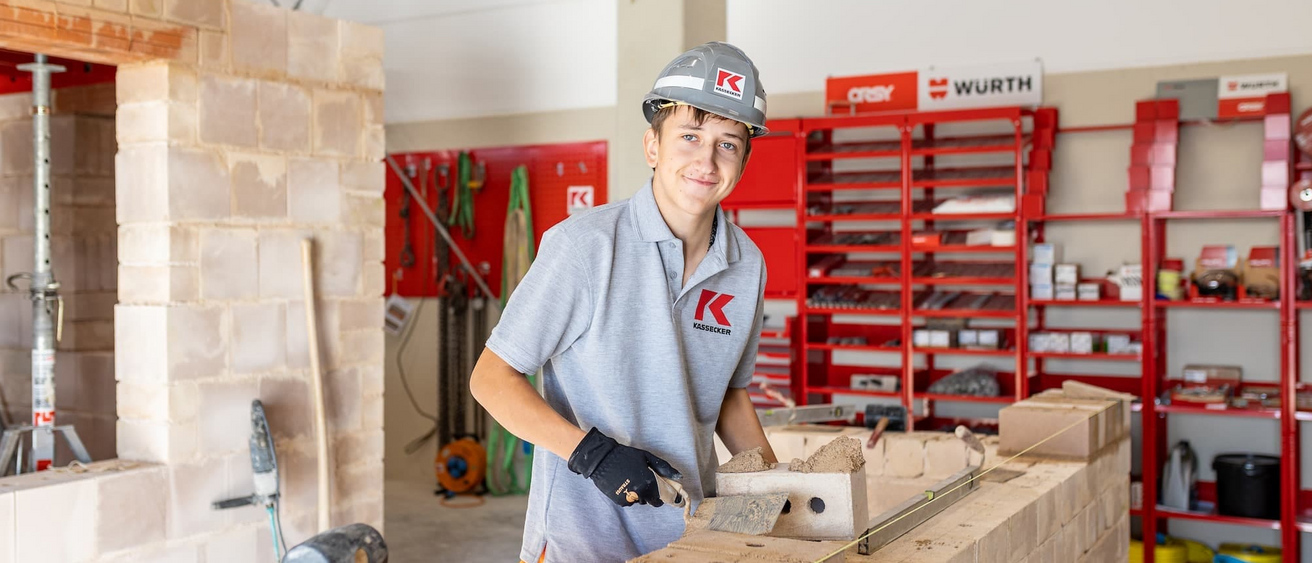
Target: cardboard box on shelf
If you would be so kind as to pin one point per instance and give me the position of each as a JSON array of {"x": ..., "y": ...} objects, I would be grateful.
[
  {"x": 1066, "y": 274},
  {"x": 1118, "y": 343},
  {"x": 1041, "y": 274},
  {"x": 1045, "y": 253},
  {"x": 1082, "y": 342},
  {"x": 1130, "y": 281},
  {"x": 1262, "y": 272},
  {"x": 1044, "y": 292},
  {"x": 1064, "y": 292},
  {"x": 940, "y": 339},
  {"x": 1088, "y": 292},
  {"x": 990, "y": 339},
  {"x": 967, "y": 338}
]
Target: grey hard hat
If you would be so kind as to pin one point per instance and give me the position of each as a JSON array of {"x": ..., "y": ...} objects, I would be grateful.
[{"x": 715, "y": 77}]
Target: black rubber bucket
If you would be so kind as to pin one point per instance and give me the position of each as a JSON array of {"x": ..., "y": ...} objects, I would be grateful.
[{"x": 1248, "y": 485}]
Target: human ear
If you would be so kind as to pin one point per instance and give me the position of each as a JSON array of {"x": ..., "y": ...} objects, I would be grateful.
[{"x": 651, "y": 147}]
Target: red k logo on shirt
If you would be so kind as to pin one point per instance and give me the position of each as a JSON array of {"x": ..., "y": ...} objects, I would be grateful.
[
  {"x": 715, "y": 302},
  {"x": 729, "y": 83}
]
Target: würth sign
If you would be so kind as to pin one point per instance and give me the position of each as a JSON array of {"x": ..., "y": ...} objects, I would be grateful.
[{"x": 1013, "y": 84}]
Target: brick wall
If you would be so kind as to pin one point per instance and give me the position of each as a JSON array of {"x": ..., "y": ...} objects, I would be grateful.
[
  {"x": 83, "y": 256},
  {"x": 242, "y": 128}
]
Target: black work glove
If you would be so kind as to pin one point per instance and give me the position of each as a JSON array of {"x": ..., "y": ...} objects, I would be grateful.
[{"x": 622, "y": 473}]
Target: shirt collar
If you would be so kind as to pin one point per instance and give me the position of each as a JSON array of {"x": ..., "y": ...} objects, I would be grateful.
[{"x": 651, "y": 227}]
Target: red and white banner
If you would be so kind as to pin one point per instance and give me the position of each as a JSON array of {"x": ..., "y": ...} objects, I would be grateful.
[
  {"x": 936, "y": 88},
  {"x": 1240, "y": 96}
]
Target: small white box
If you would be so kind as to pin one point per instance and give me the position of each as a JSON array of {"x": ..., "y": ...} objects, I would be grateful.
[
  {"x": 1064, "y": 292},
  {"x": 1067, "y": 274},
  {"x": 967, "y": 338},
  {"x": 1118, "y": 344},
  {"x": 1082, "y": 342},
  {"x": 1039, "y": 342},
  {"x": 1041, "y": 274},
  {"x": 990, "y": 339},
  {"x": 920, "y": 337},
  {"x": 1045, "y": 253},
  {"x": 1004, "y": 238},
  {"x": 1088, "y": 292},
  {"x": 979, "y": 237},
  {"x": 1059, "y": 342},
  {"x": 940, "y": 339},
  {"x": 1041, "y": 291},
  {"x": 1130, "y": 280}
]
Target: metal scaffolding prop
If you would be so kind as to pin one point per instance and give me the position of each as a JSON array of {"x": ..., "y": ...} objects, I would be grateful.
[{"x": 47, "y": 305}]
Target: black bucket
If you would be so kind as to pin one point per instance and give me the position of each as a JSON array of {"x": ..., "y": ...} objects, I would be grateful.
[{"x": 1247, "y": 485}]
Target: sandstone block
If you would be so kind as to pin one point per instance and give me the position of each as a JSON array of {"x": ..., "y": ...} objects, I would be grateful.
[
  {"x": 338, "y": 119},
  {"x": 284, "y": 112},
  {"x": 313, "y": 190},
  {"x": 258, "y": 337},
  {"x": 259, "y": 185},
  {"x": 132, "y": 508},
  {"x": 228, "y": 263},
  {"x": 258, "y": 36},
  {"x": 227, "y": 111},
  {"x": 312, "y": 49}
]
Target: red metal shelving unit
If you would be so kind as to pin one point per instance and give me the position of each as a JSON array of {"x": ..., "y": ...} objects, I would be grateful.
[{"x": 903, "y": 170}]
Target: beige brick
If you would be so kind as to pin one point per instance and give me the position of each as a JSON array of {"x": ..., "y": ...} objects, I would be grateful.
[
  {"x": 158, "y": 244},
  {"x": 199, "y": 187},
  {"x": 155, "y": 82},
  {"x": 58, "y": 522},
  {"x": 158, "y": 284},
  {"x": 192, "y": 487},
  {"x": 364, "y": 211},
  {"x": 258, "y": 337},
  {"x": 287, "y": 404},
  {"x": 372, "y": 415},
  {"x": 15, "y": 106},
  {"x": 214, "y": 50},
  {"x": 259, "y": 185},
  {"x": 258, "y": 37},
  {"x": 373, "y": 279},
  {"x": 364, "y": 176},
  {"x": 132, "y": 508},
  {"x": 371, "y": 381},
  {"x": 7, "y": 524},
  {"x": 1049, "y": 522},
  {"x": 375, "y": 142},
  {"x": 229, "y": 264},
  {"x": 338, "y": 120},
  {"x": 236, "y": 544},
  {"x": 284, "y": 117},
  {"x": 312, "y": 47},
  {"x": 1022, "y": 531},
  {"x": 362, "y": 55},
  {"x": 944, "y": 456},
  {"x": 299, "y": 483},
  {"x": 227, "y": 111},
  {"x": 16, "y": 146},
  {"x": 147, "y": 8},
  {"x": 197, "y": 341},
  {"x": 357, "y": 314},
  {"x": 373, "y": 108},
  {"x": 209, "y": 14},
  {"x": 314, "y": 194},
  {"x": 280, "y": 269},
  {"x": 375, "y": 246},
  {"x": 362, "y": 346},
  {"x": 138, "y": 359},
  {"x": 224, "y": 409},
  {"x": 343, "y": 399},
  {"x": 904, "y": 455},
  {"x": 337, "y": 260},
  {"x": 358, "y": 448}
]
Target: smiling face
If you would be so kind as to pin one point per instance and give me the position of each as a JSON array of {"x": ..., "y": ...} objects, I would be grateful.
[{"x": 695, "y": 165}]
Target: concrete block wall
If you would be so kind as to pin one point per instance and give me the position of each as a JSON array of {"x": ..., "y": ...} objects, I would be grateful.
[
  {"x": 1054, "y": 511},
  {"x": 83, "y": 250},
  {"x": 242, "y": 128}
]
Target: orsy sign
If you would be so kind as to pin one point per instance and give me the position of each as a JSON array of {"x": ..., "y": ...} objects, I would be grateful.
[{"x": 1012, "y": 84}]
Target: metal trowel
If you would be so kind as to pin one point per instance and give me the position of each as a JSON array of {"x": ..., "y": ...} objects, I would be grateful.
[{"x": 748, "y": 514}]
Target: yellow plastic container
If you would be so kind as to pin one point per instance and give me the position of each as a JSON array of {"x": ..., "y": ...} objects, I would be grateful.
[
  {"x": 1173, "y": 551},
  {"x": 1251, "y": 553}
]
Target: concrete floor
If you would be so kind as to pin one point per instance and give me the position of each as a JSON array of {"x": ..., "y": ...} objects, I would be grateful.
[{"x": 419, "y": 529}]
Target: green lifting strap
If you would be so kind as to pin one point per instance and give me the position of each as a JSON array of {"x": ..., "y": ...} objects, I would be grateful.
[
  {"x": 517, "y": 253},
  {"x": 462, "y": 208}
]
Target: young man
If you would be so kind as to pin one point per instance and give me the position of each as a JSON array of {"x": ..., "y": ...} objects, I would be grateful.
[{"x": 645, "y": 315}]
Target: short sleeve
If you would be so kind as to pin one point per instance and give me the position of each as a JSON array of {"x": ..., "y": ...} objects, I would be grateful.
[
  {"x": 549, "y": 310},
  {"x": 742, "y": 375}
]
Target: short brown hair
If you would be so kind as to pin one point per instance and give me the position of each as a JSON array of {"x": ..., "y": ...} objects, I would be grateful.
[{"x": 699, "y": 116}]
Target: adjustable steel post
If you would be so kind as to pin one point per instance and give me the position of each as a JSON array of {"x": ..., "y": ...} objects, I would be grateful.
[{"x": 44, "y": 291}]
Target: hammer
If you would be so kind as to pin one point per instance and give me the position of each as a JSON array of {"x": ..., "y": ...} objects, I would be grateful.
[{"x": 354, "y": 543}]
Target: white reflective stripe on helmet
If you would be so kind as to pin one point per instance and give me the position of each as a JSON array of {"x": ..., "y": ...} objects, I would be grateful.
[
  {"x": 759, "y": 104},
  {"x": 680, "y": 82}
]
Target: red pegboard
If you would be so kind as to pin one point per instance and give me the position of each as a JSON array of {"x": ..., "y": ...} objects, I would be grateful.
[{"x": 552, "y": 169}]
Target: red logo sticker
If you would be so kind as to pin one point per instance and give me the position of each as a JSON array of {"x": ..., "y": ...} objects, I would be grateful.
[
  {"x": 715, "y": 302},
  {"x": 938, "y": 88},
  {"x": 729, "y": 83}
]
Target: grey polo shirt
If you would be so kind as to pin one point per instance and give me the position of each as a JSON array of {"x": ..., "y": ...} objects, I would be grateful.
[{"x": 626, "y": 347}]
